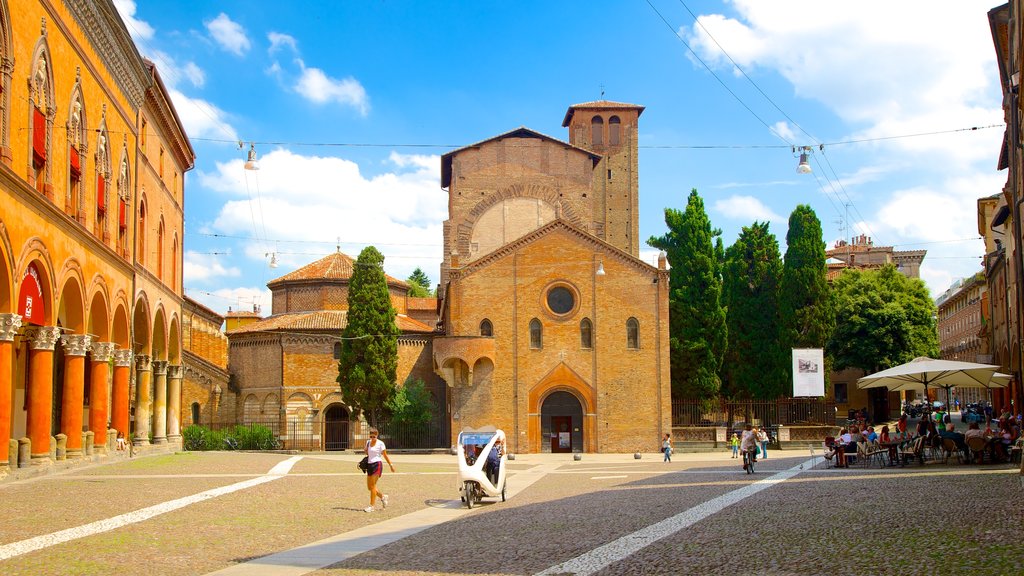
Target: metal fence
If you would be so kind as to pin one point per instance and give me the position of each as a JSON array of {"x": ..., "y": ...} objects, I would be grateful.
[
  {"x": 781, "y": 412},
  {"x": 317, "y": 435}
]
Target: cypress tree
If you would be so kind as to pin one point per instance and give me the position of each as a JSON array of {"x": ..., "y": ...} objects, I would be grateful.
[
  {"x": 804, "y": 302},
  {"x": 754, "y": 362},
  {"x": 367, "y": 370},
  {"x": 697, "y": 331}
]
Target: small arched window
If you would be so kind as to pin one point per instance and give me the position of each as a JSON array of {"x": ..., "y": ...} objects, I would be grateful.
[
  {"x": 195, "y": 412},
  {"x": 486, "y": 328},
  {"x": 597, "y": 131},
  {"x": 632, "y": 334},
  {"x": 536, "y": 334},
  {"x": 174, "y": 263},
  {"x": 613, "y": 131},
  {"x": 586, "y": 333},
  {"x": 337, "y": 350},
  {"x": 141, "y": 255},
  {"x": 160, "y": 250}
]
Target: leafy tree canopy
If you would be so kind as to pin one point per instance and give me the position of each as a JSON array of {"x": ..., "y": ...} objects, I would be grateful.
[
  {"x": 883, "y": 319},
  {"x": 419, "y": 284}
]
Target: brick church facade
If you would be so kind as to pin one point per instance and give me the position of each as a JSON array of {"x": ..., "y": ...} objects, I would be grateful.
[{"x": 552, "y": 328}]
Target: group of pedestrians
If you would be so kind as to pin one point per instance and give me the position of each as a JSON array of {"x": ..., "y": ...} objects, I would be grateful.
[{"x": 754, "y": 438}]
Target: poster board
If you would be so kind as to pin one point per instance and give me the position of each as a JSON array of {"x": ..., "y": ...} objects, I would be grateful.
[{"x": 808, "y": 372}]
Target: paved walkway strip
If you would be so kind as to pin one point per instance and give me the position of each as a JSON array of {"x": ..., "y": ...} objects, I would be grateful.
[
  {"x": 305, "y": 559},
  {"x": 39, "y": 542},
  {"x": 603, "y": 556}
]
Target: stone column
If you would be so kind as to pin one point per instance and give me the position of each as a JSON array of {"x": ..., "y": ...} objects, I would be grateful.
[
  {"x": 174, "y": 402},
  {"x": 143, "y": 377},
  {"x": 160, "y": 402},
  {"x": 119, "y": 391},
  {"x": 102, "y": 352},
  {"x": 75, "y": 348},
  {"x": 41, "y": 340},
  {"x": 9, "y": 324}
]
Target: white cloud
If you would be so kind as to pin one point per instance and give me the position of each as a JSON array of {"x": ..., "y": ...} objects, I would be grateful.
[
  {"x": 194, "y": 74},
  {"x": 783, "y": 129},
  {"x": 173, "y": 74},
  {"x": 203, "y": 267},
  {"x": 871, "y": 71},
  {"x": 237, "y": 299},
  {"x": 138, "y": 29},
  {"x": 278, "y": 40},
  {"x": 317, "y": 201},
  {"x": 200, "y": 118},
  {"x": 746, "y": 209},
  {"x": 229, "y": 34},
  {"x": 316, "y": 86}
]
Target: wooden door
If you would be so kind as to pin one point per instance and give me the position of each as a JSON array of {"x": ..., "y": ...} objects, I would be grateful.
[{"x": 561, "y": 433}]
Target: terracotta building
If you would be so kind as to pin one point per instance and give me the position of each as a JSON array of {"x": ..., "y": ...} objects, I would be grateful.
[
  {"x": 284, "y": 367},
  {"x": 552, "y": 328},
  {"x": 999, "y": 214},
  {"x": 205, "y": 379},
  {"x": 92, "y": 163},
  {"x": 962, "y": 318}
]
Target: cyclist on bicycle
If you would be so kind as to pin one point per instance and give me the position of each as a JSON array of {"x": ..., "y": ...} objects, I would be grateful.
[{"x": 748, "y": 444}]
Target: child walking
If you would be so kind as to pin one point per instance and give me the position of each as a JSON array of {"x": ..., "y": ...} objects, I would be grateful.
[{"x": 735, "y": 443}]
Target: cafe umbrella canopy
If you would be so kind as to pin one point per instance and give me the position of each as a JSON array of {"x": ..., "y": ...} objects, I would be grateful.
[{"x": 922, "y": 373}]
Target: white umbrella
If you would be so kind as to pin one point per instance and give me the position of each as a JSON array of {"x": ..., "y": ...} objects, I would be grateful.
[{"x": 922, "y": 373}]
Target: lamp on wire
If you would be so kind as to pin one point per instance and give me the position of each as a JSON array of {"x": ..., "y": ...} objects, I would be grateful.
[
  {"x": 250, "y": 163},
  {"x": 600, "y": 269},
  {"x": 273, "y": 259},
  {"x": 804, "y": 167}
]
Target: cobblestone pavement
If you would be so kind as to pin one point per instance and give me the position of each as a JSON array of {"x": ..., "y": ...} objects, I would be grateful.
[{"x": 700, "y": 514}]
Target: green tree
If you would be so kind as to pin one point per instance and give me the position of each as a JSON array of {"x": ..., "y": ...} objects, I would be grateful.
[
  {"x": 883, "y": 319},
  {"x": 805, "y": 302},
  {"x": 697, "y": 331},
  {"x": 367, "y": 370},
  {"x": 419, "y": 284},
  {"x": 412, "y": 407},
  {"x": 755, "y": 363}
]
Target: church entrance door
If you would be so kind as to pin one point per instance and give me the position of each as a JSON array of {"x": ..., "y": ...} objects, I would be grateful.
[
  {"x": 336, "y": 428},
  {"x": 562, "y": 420}
]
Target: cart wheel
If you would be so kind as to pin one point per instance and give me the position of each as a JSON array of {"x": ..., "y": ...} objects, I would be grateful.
[{"x": 469, "y": 495}]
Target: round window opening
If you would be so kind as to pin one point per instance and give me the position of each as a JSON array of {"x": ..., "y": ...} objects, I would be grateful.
[{"x": 561, "y": 300}]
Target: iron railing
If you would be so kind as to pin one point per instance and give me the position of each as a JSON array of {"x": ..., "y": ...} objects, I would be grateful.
[
  {"x": 346, "y": 435},
  {"x": 781, "y": 412}
]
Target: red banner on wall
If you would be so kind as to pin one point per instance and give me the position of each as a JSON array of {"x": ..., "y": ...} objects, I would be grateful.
[
  {"x": 76, "y": 163},
  {"x": 101, "y": 195},
  {"x": 31, "y": 306},
  {"x": 38, "y": 136}
]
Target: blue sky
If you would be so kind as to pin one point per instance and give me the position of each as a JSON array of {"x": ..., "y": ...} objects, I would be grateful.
[{"x": 350, "y": 105}]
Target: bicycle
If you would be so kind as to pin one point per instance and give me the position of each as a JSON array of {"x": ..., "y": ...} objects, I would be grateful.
[{"x": 749, "y": 458}]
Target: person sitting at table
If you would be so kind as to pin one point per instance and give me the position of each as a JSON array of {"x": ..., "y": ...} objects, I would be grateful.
[
  {"x": 846, "y": 445},
  {"x": 974, "y": 430},
  {"x": 889, "y": 443},
  {"x": 957, "y": 438},
  {"x": 901, "y": 424},
  {"x": 1004, "y": 440},
  {"x": 871, "y": 436},
  {"x": 989, "y": 431}
]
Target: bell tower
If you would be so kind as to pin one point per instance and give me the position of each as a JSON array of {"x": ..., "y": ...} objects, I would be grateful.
[{"x": 610, "y": 130}]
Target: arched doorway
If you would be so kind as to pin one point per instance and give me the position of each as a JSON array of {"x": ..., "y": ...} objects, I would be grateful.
[
  {"x": 336, "y": 428},
  {"x": 561, "y": 423}
]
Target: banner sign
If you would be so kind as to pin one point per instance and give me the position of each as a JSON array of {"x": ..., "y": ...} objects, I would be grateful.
[
  {"x": 808, "y": 372},
  {"x": 31, "y": 307}
]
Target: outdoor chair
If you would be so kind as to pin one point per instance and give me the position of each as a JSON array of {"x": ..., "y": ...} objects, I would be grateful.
[
  {"x": 977, "y": 447},
  {"x": 1015, "y": 450},
  {"x": 874, "y": 452},
  {"x": 949, "y": 448},
  {"x": 934, "y": 444},
  {"x": 914, "y": 450},
  {"x": 829, "y": 450}
]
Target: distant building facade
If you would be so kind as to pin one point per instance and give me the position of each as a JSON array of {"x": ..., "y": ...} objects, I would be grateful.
[
  {"x": 551, "y": 327},
  {"x": 963, "y": 327},
  {"x": 284, "y": 368}
]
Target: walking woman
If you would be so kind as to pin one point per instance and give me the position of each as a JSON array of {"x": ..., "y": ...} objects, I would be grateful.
[{"x": 375, "y": 449}]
